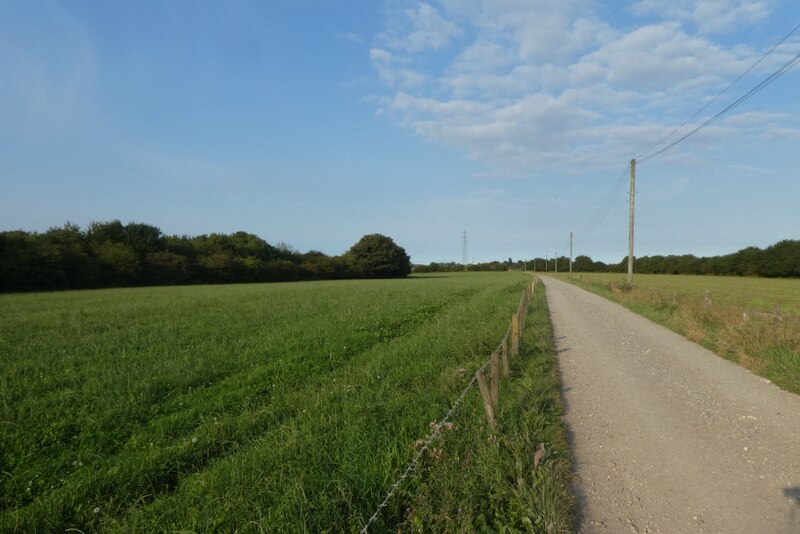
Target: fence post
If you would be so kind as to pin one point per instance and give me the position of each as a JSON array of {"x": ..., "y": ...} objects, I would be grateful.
[
  {"x": 487, "y": 399},
  {"x": 495, "y": 387},
  {"x": 514, "y": 335},
  {"x": 504, "y": 356}
]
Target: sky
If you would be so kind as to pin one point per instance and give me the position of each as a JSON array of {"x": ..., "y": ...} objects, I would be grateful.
[{"x": 315, "y": 122}]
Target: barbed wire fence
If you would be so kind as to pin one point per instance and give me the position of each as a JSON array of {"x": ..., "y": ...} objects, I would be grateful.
[{"x": 489, "y": 393}]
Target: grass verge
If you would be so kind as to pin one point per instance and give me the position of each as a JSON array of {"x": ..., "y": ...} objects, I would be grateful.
[
  {"x": 479, "y": 479},
  {"x": 733, "y": 320}
]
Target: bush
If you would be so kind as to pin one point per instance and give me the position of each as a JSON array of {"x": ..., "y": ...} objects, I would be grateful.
[{"x": 377, "y": 256}]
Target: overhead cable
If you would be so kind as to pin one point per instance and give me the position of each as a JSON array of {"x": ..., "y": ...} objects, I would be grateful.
[
  {"x": 600, "y": 214},
  {"x": 644, "y": 155}
]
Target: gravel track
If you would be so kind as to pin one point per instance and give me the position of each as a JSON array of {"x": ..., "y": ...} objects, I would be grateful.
[{"x": 667, "y": 436}]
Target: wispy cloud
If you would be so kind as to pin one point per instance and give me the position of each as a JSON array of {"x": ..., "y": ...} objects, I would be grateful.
[
  {"x": 417, "y": 28},
  {"x": 47, "y": 74},
  {"x": 709, "y": 16},
  {"x": 353, "y": 38}
]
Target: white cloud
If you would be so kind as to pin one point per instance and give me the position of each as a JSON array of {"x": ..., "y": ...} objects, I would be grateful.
[
  {"x": 659, "y": 57},
  {"x": 420, "y": 28},
  {"x": 542, "y": 82},
  {"x": 754, "y": 118},
  {"x": 780, "y": 133},
  {"x": 541, "y": 30},
  {"x": 353, "y": 38},
  {"x": 483, "y": 56},
  {"x": 393, "y": 70},
  {"x": 709, "y": 16}
]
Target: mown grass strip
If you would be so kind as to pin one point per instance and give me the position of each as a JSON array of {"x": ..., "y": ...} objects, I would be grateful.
[{"x": 738, "y": 319}]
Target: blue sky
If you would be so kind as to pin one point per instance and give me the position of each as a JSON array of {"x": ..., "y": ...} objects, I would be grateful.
[{"x": 316, "y": 122}]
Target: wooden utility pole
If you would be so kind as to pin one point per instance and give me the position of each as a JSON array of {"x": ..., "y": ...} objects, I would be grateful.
[
  {"x": 546, "y": 260},
  {"x": 630, "y": 223},
  {"x": 556, "y": 261},
  {"x": 570, "y": 252}
]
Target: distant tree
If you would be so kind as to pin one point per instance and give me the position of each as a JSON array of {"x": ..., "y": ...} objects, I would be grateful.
[
  {"x": 101, "y": 232},
  {"x": 165, "y": 268},
  {"x": 250, "y": 245},
  {"x": 143, "y": 238},
  {"x": 120, "y": 262},
  {"x": 781, "y": 259},
  {"x": 65, "y": 253},
  {"x": 377, "y": 256},
  {"x": 583, "y": 264},
  {"x": 317, "y": 265},
  {"x": 23, "y": 267},
  {"x": 216, "y": 268}
]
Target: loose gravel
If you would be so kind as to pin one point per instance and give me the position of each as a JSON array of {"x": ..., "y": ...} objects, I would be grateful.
[{"x": 667, "y": 436}]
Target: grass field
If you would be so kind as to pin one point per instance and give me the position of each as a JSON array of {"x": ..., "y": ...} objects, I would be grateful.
[
  {"x": 752, "y": 321},
  {"x": 272, "y": 408},
  {"x": 744, "y": 292}
]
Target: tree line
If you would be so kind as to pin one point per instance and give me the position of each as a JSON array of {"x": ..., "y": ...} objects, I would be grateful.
[
  {"x": 112, "y": 254},
  {"x": 781, "y": 260}
]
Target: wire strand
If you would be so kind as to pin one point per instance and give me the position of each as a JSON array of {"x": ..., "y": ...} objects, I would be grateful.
[
  {"x": 600, "y": 214},
  {"x": 764, "y": 83},
  {"x": 436, "y": 430},
  {"x": 734, "y": 82}
]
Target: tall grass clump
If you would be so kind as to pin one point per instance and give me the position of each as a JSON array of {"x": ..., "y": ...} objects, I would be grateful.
[{"x": 735, "y": 320}]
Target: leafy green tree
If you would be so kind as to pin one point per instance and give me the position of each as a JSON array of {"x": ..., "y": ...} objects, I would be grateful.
[
  {"x": 378, "y": 256},
  {"x": 121, "y": 264},
  {"x": 22, "y": 264},
  {"x": 66, "y": 254},
  {"x": 216, "y": 268},
  {"x": 317, "y": 265},
  {"x": 583, "y": 264},
  {"x": 781, "y": 259},
  {"x": 101, "y": 232},
  {"x": 166, "y": 268},
  {"x": 143, "y": 238}
]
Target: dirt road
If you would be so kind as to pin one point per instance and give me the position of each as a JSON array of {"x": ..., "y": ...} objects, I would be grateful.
[{"x": 667, "y": 436}]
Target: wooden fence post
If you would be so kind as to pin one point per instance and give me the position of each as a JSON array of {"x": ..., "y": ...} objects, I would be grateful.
[
  {"x": 495, "y": 387},
  {"x": 514, "y": 335},
  {"x": 490, "y": 392},
  {"x": 487, "y": 398}
]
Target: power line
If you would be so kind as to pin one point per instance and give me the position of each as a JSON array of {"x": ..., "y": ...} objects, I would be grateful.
[
  {"x": 602, "y": 211},
  {"x": 768, "y": 80},
  {"x": 644, "y": 156},
  {"x": 600, "y": 214}
]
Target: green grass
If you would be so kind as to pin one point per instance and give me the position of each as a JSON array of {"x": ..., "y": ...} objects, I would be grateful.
[
  {"x": 253, "y": 408},
  {"x": 752, "y": 321},
  {"x": 485, "y": 480},
  {"x": 756, "y": 293}
]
